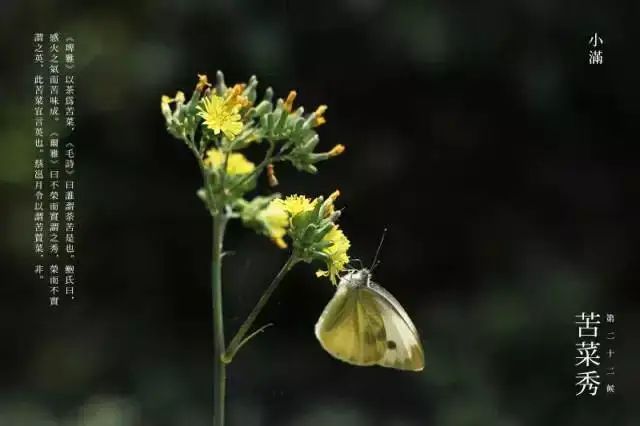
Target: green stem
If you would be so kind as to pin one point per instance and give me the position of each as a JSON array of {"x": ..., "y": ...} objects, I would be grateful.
[
  {"x": 220, "y": 219},
  {"x": 239, "y": 339},
  {"x": 258, "y": 169},
  {"x": 219, "y": 367}
]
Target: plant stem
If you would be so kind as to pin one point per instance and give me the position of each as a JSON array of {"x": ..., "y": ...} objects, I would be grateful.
[
  {"x": 267, "y": 159},
  {"x": 219, "y": 367},
  {"x": 239, "y": 339}
]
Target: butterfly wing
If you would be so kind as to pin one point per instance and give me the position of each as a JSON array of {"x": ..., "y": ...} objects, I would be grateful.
[
  {"x": 351, "y": 327},
  {"x": 403, "y": 349}
]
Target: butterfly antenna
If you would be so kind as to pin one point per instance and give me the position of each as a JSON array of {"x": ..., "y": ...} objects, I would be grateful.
[
  {"x": 359, "y": 262},
  {"x": 375, "y": 258}
]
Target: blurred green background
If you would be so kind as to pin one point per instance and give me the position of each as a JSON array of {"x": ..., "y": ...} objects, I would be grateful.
[{"x": 500, "y": 161}]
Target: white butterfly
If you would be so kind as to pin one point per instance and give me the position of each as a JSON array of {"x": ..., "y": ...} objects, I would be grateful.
[{"x": 363, "y": 324}]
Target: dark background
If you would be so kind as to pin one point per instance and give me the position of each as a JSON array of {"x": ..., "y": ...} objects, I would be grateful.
[{"x": 500, "y": 161}]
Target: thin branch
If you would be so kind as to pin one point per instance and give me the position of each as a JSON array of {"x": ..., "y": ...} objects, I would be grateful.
[{"x": 239, "y": 339}]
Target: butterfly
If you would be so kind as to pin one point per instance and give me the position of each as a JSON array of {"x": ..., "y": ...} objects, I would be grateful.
[{"x": 363, "y": 324}]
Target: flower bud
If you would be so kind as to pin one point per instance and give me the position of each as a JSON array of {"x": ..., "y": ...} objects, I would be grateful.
[
  {"x": 221, "y": 87},
  {"x": 164, "y": 107},
  {"x": 336, "y": 150},
  {"x": 288, "y": 104},
  {"x": 319, "y": 119},
  {"x": 271, "y": 176},
  {"x": 268, "y": 94}
]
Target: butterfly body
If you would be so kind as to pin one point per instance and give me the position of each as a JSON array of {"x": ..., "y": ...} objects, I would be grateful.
[{"x": 364, "y": 325}]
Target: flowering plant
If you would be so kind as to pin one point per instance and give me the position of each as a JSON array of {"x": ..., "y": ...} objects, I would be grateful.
[{"x": 217, "y": 123}]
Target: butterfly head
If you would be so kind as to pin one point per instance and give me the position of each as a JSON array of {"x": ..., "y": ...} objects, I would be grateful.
[
  {"x": 356, "y": 278},
  {"x": 362, "y": 277}
]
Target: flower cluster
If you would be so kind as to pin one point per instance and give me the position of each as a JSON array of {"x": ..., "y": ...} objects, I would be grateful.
[
  {"x": 311, "y": 225},
  {"x": 218, "y": 122}
]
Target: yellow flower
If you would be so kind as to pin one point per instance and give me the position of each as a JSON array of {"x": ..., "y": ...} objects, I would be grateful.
[
  {"x": 221, "y": 115},
  {"x": 166, "y": 100},
  {"x": 320, "y": 115},
  {"x": 296, "y": 204},
  {"x": 179, "y": 98},
  {"x": 165, "y": 108},
  {"x": 276, "y": 220},
  {"x": 337, "y": 253},
  {"x": 234, "y": 96},
  {"x": 203, "y": 82},
  {"x": 237, "y": 164}
]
